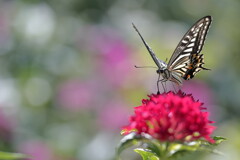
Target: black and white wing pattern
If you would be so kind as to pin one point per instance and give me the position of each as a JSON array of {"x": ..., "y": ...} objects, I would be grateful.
[{"x": 186, "y": 60}]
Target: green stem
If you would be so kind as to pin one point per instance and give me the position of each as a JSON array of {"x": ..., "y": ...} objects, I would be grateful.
[{"x": 164, "y": 151}]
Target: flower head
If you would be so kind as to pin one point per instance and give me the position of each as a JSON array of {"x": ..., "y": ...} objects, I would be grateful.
[{"x": 171, "y": 117}]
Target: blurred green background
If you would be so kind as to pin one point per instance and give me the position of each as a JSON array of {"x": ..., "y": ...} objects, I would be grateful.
[{"x": 67, "y": 76}]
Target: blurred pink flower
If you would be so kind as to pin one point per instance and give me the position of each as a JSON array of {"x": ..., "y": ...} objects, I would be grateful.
[
  {"x": 74, "y": 95},
  {"x": 113, "y": 116},
  {"x": 201, "y": 91},
  {"x": 38, "y": 150},
  {"x": 114, "y": 60}
]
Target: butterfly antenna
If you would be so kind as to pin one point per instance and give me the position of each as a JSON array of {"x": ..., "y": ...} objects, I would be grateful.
[
  {"x": 144, "y": 66},
  {"x": 145, "y": 43},
  {"x": 156, "y": 60}
]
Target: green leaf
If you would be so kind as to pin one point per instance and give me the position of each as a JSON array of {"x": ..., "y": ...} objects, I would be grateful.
[
  {"x": 155, "y": 146},
  {"x": 146, "y": 154},
  {"x": 166, "y": 149},
  {"x": 131, "y": 140},
  {"x": 208, "y": 145},
  {"x": 176, "y": 149},
  {"x": 127, "y": 141},
  {"x": 12, "y": 156},
  {"x": 219, "y": 140}
]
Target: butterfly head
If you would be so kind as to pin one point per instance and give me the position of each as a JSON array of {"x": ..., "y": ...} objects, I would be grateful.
[
  {"x": 163, "y": 70},
  {"x": 160, "y": 71},
  {"x": 162, "y": 66}
]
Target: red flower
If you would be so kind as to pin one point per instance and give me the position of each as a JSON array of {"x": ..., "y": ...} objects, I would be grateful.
[{"x": 171, "y": 117}]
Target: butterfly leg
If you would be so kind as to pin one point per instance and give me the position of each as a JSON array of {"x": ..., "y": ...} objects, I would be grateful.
[
  {"x": 161, "y": 80},
  {"x": 158, "y": 92},
  {"x": 165, "y": 85},
  {"x": 164, "y": 88}
]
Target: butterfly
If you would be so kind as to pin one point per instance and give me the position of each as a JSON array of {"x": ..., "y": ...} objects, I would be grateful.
[{"x": 186, "y": 59}]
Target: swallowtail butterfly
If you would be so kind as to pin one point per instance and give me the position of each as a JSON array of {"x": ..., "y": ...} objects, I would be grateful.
[{"x": 186, "y": 59}]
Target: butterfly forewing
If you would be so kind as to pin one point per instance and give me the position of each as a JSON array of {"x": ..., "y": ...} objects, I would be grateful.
[{"x": 186, "y": 59}]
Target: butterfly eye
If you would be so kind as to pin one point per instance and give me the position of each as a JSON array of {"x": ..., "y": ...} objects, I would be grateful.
[{"x": 159, "y": 71}]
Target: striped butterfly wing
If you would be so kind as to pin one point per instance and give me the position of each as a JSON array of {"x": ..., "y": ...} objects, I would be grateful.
[{"x": 186, "y": 60}]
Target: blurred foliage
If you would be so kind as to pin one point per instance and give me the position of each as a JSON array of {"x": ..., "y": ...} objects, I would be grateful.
[{"x": 67, "y": 76}]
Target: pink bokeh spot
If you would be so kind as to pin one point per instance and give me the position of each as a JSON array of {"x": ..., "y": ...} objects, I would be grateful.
[
  {"x": 112, "y": 47},
  {"x": 37, "y": 150},
  {"x": 113, "y": 116},
  {"x": 199, "y": 90},
  {"x": 114, "y": 55},
  {"x": 75, "y": 95},
  {"x": 202, "y": 92}
]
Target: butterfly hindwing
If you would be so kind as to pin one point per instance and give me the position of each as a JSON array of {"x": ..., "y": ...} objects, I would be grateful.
[{"x": 195, "y": 66}]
